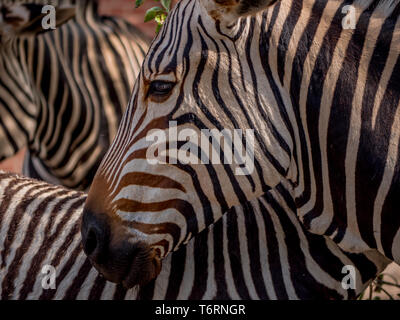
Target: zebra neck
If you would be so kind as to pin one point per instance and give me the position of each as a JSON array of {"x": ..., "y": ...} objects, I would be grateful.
[
  {"x": 292, "y": 33},
  {"x": 345, "y": 107}
]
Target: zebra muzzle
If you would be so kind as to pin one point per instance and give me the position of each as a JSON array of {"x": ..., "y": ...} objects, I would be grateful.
[
  {"x": 119, "y": 259},
  {"x": 144, "y": 268}
]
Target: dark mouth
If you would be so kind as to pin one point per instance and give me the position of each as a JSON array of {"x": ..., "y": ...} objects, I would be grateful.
[{"x": 142, "y": 270}]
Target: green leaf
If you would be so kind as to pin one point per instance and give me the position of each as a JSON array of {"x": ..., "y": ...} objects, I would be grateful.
[
  {"x": 158, "y": 28},
  {"x": 138, "y": 3},
  {"x": 166, "y": 4},
  {"x": 152, "y": 13},
  {"x": 160, "y": 19}
]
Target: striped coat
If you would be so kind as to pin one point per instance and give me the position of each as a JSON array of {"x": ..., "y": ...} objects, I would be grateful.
[
  {"x": 63, "y": 92},
  {"x": 320, "y": 97},
  {"x": 260, "y": 251}
]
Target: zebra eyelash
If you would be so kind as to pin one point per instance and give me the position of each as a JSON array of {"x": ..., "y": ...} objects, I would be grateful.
[{"x": 160, "y": 90}]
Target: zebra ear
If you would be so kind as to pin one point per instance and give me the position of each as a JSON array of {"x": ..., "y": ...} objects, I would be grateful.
[
  {"x": 229, "y": 11},
  {"x": 22, "y": 19}
]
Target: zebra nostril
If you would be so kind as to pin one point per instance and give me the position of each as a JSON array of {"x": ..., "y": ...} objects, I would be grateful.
[
  {"x": 90, "y": 243},
  {"x": 122, "y": 260},
  {"x": 95, "y": 236}
]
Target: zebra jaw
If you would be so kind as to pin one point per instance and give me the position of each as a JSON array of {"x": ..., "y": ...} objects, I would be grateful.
[
  {"x": 119, "y": 258},
  {"x": 143, "y": 270},
  {"x": 144, "y": 266}
]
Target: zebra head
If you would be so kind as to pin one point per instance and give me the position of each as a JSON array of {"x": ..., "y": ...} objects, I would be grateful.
[{"x": 199, "y": 137}]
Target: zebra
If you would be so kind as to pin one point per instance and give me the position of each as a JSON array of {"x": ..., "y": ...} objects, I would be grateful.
[
  {"x": 40, "y": 232},
  {"x": 63, "y": 92},
  {"x": 321, "y": 101}
]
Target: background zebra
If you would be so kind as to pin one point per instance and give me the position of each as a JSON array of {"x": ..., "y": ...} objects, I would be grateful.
[
  {"x": 323, "y": 102},
  {"x": 62, "y": 93},
  {"x": 260, "y": 251}
]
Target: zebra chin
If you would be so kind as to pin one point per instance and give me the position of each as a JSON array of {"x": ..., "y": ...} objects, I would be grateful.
[{"x": 119, "y": 259}]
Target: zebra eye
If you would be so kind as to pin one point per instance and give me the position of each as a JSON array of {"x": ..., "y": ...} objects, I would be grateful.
[{"x": 160, "y": 90}]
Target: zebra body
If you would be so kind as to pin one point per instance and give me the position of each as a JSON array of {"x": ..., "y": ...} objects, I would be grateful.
[
  {"x": 321, "y": 99},
  {"x": 260, "y": 251},
  {"x": 63, "y": 92}
]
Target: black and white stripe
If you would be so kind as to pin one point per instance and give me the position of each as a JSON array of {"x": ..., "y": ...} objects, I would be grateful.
[
  {"x": 63, "y": 92},
  {"x": 323, "y": 102},
  {"x": 260, "y": 251}
]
